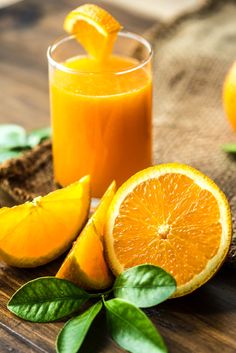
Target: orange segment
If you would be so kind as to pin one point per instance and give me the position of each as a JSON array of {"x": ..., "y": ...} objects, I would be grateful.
[
  {"x": 171, "y": 216},
  {"x": 37, "y": 232},
  {"x": 94, "y": 28},
  {"x": 85, "y": 264}
]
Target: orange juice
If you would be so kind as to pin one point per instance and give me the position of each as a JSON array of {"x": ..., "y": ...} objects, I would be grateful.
[{"x": 101, "y": 118}]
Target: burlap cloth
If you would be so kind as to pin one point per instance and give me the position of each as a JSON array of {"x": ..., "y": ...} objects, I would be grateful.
[{"x": 192, "y": 56}]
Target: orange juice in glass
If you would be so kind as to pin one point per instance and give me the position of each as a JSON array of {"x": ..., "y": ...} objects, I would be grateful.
[{"x": 101, "y": 111}]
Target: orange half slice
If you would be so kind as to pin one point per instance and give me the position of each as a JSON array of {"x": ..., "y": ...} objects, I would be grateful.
[{"x": 171, "y": 216}]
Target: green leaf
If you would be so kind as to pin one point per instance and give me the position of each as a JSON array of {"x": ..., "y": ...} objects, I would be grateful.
[
  {"x": 11, "y": 136},
  {"x": 8, "y": 154},
  {"x": 132, "y": 329},
  {"x": 144, "y": 285},
  {"x": 229, "y": 147},
  {"x": 47, "y": 299},
  {"x": 37, "y": 136},
  {"x": 74, "y": 332}
]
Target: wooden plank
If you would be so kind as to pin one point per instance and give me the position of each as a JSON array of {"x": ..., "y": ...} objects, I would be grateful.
[{"x": 10, "y": 339}]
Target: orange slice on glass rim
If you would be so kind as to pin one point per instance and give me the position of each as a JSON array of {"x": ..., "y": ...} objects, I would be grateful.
[
  {"x": 171, "y": 216},
  {"x": 94, "y": 28},
  {"x": 85, "y": 264}
]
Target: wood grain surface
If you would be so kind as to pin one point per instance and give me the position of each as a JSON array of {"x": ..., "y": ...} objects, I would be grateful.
[{"x": 203, "y": 322}]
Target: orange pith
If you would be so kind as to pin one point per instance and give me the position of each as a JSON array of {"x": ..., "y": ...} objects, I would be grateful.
[
  {"x": 85, "y": 264},
  {"x": 178, "y": 220},
  {"x": 94, "y": 28},
  {"x": 37, "y": 232}
]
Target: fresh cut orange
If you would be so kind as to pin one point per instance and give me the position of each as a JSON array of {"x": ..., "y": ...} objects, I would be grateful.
[
  {"x": 171, "y": 216},
  {"x": 94, "y": 28},
  {"x": 37, "y": 232},
  {"x": 85, "y": 264},
  {"x": 229, "y": 96}
]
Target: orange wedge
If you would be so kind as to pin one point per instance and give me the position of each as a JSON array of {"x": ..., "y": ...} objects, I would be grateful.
[
  {"x": 37, "y": 232},
  {"x": 85, "y": 264},
  {"x": 94, "y": 28},
  {"x": 171, "y": 216}
]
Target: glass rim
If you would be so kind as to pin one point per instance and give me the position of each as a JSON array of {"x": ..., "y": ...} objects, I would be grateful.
[{"x": 125, "y": 34}]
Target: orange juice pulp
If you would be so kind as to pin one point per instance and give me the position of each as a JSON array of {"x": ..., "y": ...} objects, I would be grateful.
[{"x": 101, "y": 121}]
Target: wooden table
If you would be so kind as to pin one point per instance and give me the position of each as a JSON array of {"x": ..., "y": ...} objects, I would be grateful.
[{"x": 203, "y": 322}]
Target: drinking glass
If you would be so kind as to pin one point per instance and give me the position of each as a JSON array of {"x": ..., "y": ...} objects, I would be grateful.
[{"x": 101, "y": 119}]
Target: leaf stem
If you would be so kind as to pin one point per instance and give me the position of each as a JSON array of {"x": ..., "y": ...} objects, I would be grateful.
[{"x": 102, "y": 295}]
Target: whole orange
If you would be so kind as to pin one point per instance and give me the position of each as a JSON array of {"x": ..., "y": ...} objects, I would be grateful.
[{"x": 229, "y": 96}]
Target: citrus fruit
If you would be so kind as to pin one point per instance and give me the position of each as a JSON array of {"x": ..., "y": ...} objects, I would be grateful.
[
  {"x": 37, "y": 232},
  {"x": 229, "y": 96},
  {"x": 171, "y": 216},
  {"x": 94, "y": 28},
  {"x": 85, "y": 264}
]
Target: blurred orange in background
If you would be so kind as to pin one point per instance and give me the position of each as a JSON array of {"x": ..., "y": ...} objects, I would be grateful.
[{"x": 229, "y": 96}]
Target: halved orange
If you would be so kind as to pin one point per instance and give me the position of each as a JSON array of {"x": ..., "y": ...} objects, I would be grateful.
[
  {"x": 85, "y": 264},
  {"x": 37, "y": 232},
  {"x": 94, "y": 28},
  {"x": 171, "y": 216}
]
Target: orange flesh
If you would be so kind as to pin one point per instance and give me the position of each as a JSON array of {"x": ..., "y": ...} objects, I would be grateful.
[
  {"x": 100, "y": 47},
  {"x": 85, "y": 265},
  {"x": 172, "y": 209},
  {"x": 41, "y": 230},
  {"x": 101, "y": 123},
  {"x": 91, "y": 248},
  {"x": 37, "y": 232}
]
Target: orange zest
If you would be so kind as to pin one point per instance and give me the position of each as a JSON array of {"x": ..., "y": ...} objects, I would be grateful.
[
  {"x": 85, "y": 264},
  {"x": 37, "y": 232},
  {"x": 94, "y": 28},
  {"x": 171, "y": 216}
]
